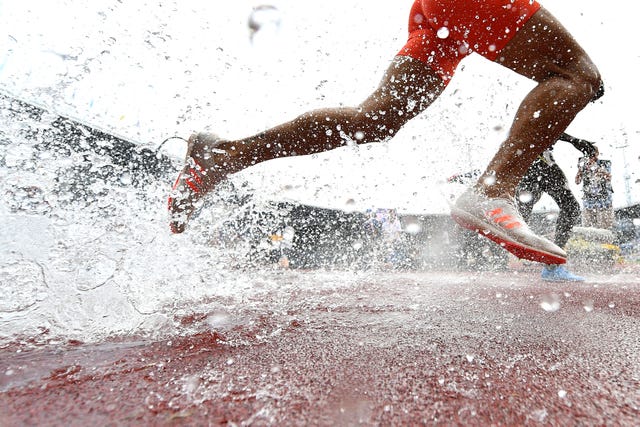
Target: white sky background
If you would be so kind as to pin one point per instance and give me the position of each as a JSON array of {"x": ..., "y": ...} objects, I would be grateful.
[{"x": 147, "y": 70}]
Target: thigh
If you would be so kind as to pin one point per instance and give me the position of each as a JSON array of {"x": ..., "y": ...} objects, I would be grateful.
[
  {"x": 407, "y": 88},
  {"x": 542, "y": 48},
  {"x": 481, "y": 26},
  {"x": 443, "y": 32},
  {"x": 440, "y": 55}
]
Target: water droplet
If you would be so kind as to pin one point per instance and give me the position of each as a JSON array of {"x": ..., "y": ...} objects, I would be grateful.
[
  {"x": 443, "y": 32},
  {"x": 525, "y": 196},
  {"x": 218, "y": 320},
  {"x": 489, "y": 180},
  {"x": 413, "y": 227},
  {"x": 550, "y": 303},
  {"x": 126, "y": 179},
  {"x": 264, "y": 17}
]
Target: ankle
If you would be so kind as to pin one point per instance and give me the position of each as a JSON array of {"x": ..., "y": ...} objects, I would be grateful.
[
  {"x": 493, "y": 187},
  {"x": 491, "y": 192}
]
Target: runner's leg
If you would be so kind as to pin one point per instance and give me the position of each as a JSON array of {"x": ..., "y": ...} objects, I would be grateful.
[
  {"x": 407, "y": 88},
  {"x": 544, "y": 51}
]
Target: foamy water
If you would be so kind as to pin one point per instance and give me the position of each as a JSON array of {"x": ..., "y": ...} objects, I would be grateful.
[
  {"x": 87, "y": 255},
  {"x": 86, "y": 271}
]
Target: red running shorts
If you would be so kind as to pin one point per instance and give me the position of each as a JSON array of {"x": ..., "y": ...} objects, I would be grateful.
[{"x": 443, "y": 32}]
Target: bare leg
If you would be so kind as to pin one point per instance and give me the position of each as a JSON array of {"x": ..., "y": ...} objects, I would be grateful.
[
  {"x": 567, "y": 80},
  {"x": 544, "y": 51},
  {"x": 407, "y": 88}
]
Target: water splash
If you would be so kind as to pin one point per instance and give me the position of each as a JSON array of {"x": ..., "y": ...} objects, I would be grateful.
[
  {"x": 550, "y": 303},
  {"x": 85, "y": 246}
]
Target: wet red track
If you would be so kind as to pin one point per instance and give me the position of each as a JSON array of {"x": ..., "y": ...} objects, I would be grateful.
[{"x": 407, "y": 349}]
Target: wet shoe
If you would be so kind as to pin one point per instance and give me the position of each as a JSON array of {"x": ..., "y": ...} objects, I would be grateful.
[
  {"x": 499, "y": 220},
  {"x": 557, "y": 273},
  {"x": 195, "y": 180}
]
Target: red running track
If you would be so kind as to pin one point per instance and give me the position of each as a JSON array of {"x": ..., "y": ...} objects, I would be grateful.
[{"x": 394, "y": 349}]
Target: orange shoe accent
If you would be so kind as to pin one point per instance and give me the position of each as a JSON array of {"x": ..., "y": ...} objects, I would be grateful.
[
  {"x": 513, "y": 225},
  {"x": 505, "y": 220}
]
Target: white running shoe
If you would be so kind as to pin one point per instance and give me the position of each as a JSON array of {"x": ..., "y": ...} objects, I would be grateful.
[
  {"x": 195, "y": 180},
  {"x": 499, "y": 220}
]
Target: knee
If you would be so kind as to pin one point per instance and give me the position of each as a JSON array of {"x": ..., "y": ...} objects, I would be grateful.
[
  {"x": 589, "y": 80},
  {"x": 599, "y": 92}
]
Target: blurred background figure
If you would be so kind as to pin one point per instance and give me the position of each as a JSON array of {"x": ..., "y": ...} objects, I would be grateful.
[
  {"x": 545, "y": 176},
  {"x": 387, "y": 240},
  {"x": 597, "y": 192}
]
